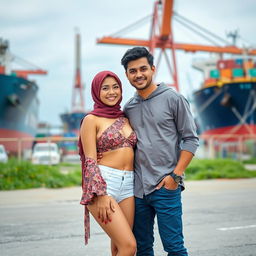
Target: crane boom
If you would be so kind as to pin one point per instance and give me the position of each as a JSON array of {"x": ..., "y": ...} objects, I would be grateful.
[{"x": 177, "y": 46}]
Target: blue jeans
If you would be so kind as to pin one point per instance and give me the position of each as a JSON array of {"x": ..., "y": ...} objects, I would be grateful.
[{"x": 166, "y": 205}]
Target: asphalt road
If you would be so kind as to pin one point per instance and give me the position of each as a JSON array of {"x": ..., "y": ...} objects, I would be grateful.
[{"x": 219, "y": 220}]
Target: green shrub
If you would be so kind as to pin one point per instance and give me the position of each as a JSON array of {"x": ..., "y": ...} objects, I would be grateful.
[
  {"x": 23, "y": 175},
  {"x": 250, "y": 161},
  {"x": 200, "y": 169}
]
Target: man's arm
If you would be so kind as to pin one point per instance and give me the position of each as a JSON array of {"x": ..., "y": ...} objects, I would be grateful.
[
  {"x": 183, "y": 162},
  {"x": 187, "y": 131},
  {"x": 186, "y": 127}
]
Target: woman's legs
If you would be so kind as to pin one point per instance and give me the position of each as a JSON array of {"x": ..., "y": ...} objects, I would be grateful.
[
  {"x": 118, "y": 230},
  {"x": 127, "y": 206}
]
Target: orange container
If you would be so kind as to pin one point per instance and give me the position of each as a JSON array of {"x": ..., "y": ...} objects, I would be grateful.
[
  {"x": 248, "y": 64},
  {"x": 210, "y": 81},
  {"x": 2, "y": 69},
  {"x": 226, "y": 73}
]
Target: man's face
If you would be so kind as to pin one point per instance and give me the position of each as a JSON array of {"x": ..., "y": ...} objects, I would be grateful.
[{"x": 140, "y": 74}]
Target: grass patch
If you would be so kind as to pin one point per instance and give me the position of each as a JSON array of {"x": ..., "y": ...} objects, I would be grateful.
[
  {"x": 24, "y": 175},
  {"x": 250, "y": 161},
  {"x": 201, "y": 169},
  {"x": 65, "y": 164}
]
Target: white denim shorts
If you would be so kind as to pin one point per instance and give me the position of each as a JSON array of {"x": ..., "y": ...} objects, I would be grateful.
[{"x": 120, "y": 184}]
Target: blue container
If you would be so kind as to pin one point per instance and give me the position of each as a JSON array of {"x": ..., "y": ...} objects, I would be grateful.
[{"x": 239, "y": 62}]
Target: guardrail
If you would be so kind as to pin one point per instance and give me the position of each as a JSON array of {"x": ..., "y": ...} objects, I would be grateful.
[{"x": 21, "y": 141}]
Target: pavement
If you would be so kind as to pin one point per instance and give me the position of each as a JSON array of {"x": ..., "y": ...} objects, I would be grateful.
[
  {"x": 219, "y": 220},
  {"x": 39, "y": 196},
  {"x": 45, "y": 195}
]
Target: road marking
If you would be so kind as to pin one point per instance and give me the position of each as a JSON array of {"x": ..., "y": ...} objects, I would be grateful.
[{"x": 239, "y": 227}]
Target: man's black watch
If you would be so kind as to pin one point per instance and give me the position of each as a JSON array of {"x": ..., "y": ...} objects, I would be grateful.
[{"x": 178, "y": 179}]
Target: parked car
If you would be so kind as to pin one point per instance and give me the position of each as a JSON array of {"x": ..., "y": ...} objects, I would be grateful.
[
  {"x": 46, "y": 153},
  {"x": 3, "y": 154},
  {"x": 71, "y": 158}
]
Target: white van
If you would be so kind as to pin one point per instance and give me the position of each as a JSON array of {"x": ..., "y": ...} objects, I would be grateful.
[
  {"x": 3, "y": 155},
  {"x": 46, "y": 153}
]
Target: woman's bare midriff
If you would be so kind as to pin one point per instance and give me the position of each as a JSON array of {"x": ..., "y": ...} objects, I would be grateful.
[{"x": 121, "y": 159}]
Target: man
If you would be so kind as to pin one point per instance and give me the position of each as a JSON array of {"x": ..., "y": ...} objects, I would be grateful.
[{"x": 167, "y": 141}]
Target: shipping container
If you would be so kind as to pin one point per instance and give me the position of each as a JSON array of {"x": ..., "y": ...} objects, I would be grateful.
[
  {"x": 237, "y": 72},
  {"x": 228, "y": 64},
  {"x": 252, "y": 72},
  {"x": 226, "y": 73},
  {"x": 248, "y": 64},
  {"x": 210, "y": 81},
  {"x": 231, "y": 64},
  {"x": 2, "y": 70},
  {"x": 239, "y": 62},
  {"x": 221, "y": 64},
  {"x": 214, "y": 73}
]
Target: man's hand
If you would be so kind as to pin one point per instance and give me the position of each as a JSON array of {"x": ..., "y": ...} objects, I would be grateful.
[
  {"x": 99, "y": 157},
  {"x": 168, "y": 183},
  {"x": 105, "y": 205}
]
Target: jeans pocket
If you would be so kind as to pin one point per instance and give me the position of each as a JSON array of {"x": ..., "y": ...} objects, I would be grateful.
[{"x": 171, "y": 190}]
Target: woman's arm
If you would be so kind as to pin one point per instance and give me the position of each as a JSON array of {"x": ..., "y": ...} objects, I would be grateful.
[{"x": 88, "y": 132}]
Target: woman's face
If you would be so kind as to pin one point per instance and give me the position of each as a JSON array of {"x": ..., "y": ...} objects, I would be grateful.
[{"x": 110, "y": 92}]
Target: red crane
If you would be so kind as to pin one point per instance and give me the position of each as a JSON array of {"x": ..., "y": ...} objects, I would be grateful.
[{"x": 161, "y": 37}]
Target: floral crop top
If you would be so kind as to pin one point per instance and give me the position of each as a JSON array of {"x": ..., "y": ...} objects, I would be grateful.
[{"x": 112, "y": 138}]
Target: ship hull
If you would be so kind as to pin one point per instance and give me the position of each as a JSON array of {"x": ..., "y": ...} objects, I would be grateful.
[
  {"x": 18, "y": 111},
  {"x": 71, "y": 121},
  {"x": 227, "y": 110}
]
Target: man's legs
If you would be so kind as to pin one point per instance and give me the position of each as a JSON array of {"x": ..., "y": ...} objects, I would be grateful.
[
  {"x": 143, "y": 227},
  {"x": 167, "y": 204}
]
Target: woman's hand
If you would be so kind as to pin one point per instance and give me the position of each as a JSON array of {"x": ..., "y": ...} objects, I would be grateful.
[{"x": 105, "y": 206}]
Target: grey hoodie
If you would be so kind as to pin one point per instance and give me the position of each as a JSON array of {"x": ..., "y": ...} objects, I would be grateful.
[{"x": 164, "y": 126}]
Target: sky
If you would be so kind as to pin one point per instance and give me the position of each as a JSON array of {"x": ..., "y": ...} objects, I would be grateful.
[{"x": 42, "y": 33}]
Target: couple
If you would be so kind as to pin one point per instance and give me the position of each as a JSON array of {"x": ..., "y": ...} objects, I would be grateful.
[{"x": 156, "y": 130}]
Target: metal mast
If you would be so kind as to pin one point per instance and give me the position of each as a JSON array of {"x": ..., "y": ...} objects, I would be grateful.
[{"x": 77, "y": 92}]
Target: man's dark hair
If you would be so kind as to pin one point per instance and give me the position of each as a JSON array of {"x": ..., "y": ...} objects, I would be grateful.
[{"x": 137, "y": 53}]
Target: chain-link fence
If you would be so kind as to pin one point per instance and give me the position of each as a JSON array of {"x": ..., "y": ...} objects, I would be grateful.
[{"x": 239, "y": 147}]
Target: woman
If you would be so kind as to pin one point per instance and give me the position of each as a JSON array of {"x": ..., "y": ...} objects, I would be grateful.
[{"x": 108, "y": 187}]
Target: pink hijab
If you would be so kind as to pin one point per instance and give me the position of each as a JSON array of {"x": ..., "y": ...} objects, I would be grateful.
[{"x": 100, "y": 109}]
